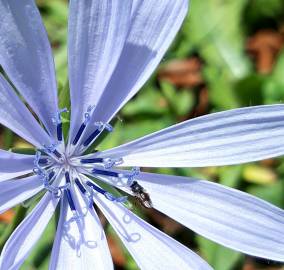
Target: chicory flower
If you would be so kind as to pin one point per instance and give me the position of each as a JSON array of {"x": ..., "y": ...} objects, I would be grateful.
[{"x": 113, "y": 48}]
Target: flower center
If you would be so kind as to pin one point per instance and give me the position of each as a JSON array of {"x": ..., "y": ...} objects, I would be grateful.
[{"x": 62, "y": 172}]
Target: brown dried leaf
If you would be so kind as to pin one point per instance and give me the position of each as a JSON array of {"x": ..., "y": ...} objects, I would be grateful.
[
  {"x": 182, "y": 73},
  {"x": 7, "y": 216},
  {"x": 264, "y": 47},
  {"x": 116, "y": 251}
]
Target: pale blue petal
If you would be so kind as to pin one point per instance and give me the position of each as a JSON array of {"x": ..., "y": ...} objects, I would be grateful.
[
  {"x": 80, "y": 245},
  {"x": 227, "y": 216},
  {"x": 229, "y": 137},
  {"x": 150, "y": 248},
  {"x": 97, "y": 33},
  {"x": 153, "y": 27},
  {"x": 13, "y": 192},
  {"x": 15, "y": 116},
  {"x": 14, "y": 165},
  {"x": 21, "y": 242},
  {"x": 26, "y": 57}
]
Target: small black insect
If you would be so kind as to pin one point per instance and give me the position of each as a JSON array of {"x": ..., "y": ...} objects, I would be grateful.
[{"x": 141, "y": 195}]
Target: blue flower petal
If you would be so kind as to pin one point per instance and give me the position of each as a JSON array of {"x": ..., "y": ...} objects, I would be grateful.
[
  {"x": 14, "y": 165},
  {"x": 225, "y": 215},
  {"x": 15, "y": 116},
  {"x": 13, "y": 192},
  {"x": 26, "y": 57},
  {"x": 80, "y": 243},
  {"x": 150, "y": 248},
  {"x": 223, "y": 138},
  {"x": 21, "y": 242},
  {"x": 154, "y": 25},
  {"x": 96, "y": 35}
]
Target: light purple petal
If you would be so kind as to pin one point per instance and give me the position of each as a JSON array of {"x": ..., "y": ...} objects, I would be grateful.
[
  {"x": 80, "y": 245},
  {"x": 13, "y": 192},
  {"x": 153, "y": 27},
  {"x": 150, "y": 248},
  {"x": 14, "y": 165},
  {"x": 20, "y": 243},
  {"x": 229, "y": 137},
  {"x": 97, "y": 33},
  {"x": 26, "y": 57},
  {"x": 227, "y": 216},
  {"x": 15, "y": 116}
]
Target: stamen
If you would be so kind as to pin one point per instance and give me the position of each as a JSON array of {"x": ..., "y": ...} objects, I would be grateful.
[
  {"x": 107, "y": 173},
  {"x": 100, "y": 127},
  {"x": 96, "y": 188},
  {"x": 80, "y": 186},
  {"x": 46, "y": 182},
  {"x": 58, "y": 122},
  {"x": 57, "y": 154},
  {"x": 112, "y": 198},
  {"x": 109, "y": 162},
  {"x": 51, "y": 175},
  {"x": 76, "y": 216},
  {"x": 59, "y": 132},
  {"x": 92, "y": 160},
  {"x": 67, "y": 177},
  {"x": 37, "y": 158},
  {"x": 124, "y": 179},
  {"x": 52, "y": 150},
  {"x": 89, "y": 194},
  {"x": 43, "y": 161},
  {"x": 37, "y": 169},
  {"x": 70, "y": 200},
  {"x": 130, "y": 177},
  {"x": 87, "y": 116},
  {"x": 91, "y": 137},
  {"x": 108, "y": 195},
  {"x": 79, "y": 133},
  {"x": 46, "y": 178},
  {"x": 58, "y": 191}
]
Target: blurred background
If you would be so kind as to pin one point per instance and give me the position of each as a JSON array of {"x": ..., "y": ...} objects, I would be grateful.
[{"x": 228, "y": 54}]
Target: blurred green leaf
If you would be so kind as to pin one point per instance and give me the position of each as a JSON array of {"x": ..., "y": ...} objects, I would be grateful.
[
  {"x": 230, "y": 176},
  {"x": 249, "y": 90},
  {"x": 180, "y": 102},
  {"x": 220, "y": 37},
  {"x": 258, "y": 11},
  {"x": 25, "y": 151},
  {"x": 219, "y": 257},
  {"x": 8, "y": 138},
  {"x": 272, "y": 193},
  {"x": 221, "y": 90},
  {"x": 273, "y": 89},
  {"x": 148, "y": 103}
]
